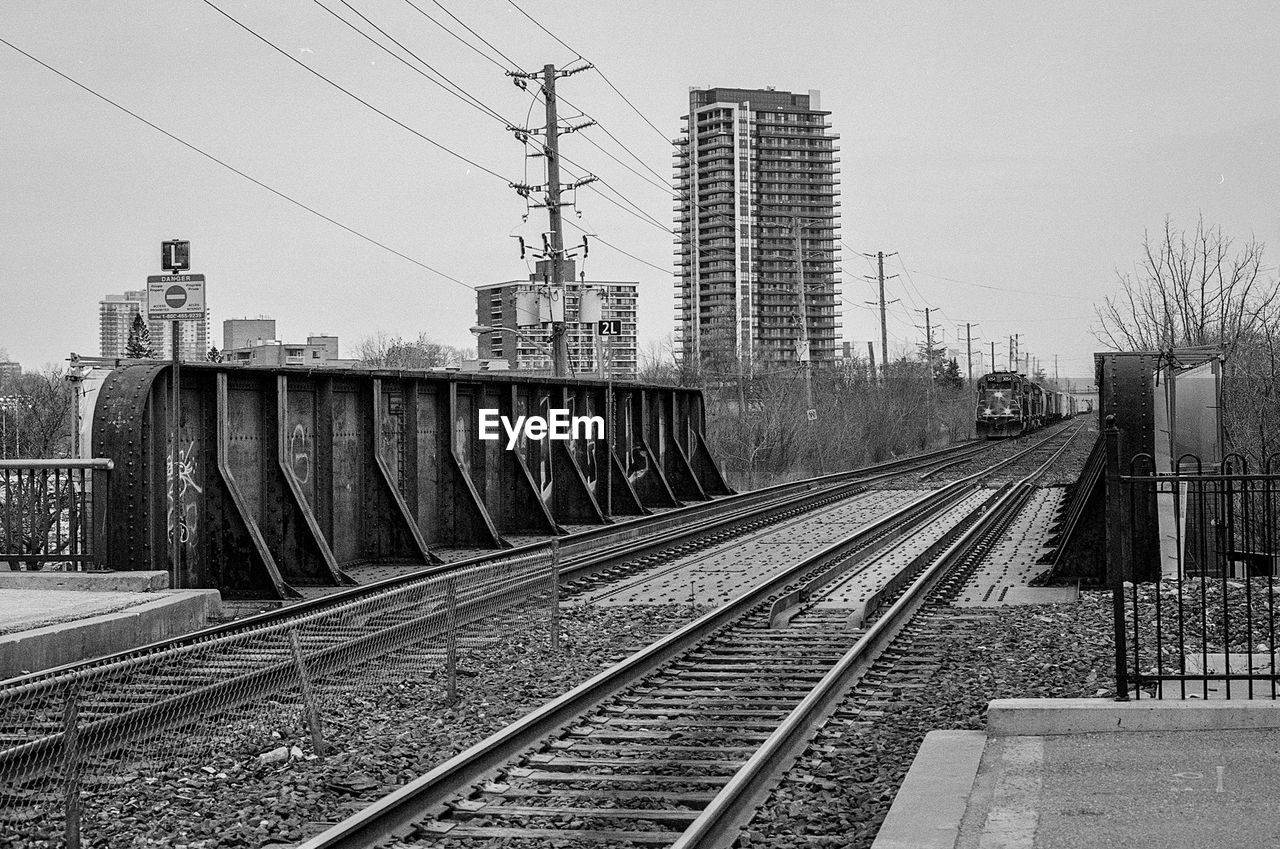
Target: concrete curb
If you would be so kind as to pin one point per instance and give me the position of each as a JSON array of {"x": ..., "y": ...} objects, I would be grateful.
[
  {"x": 129, "y": 582},
  {"x": 931, "y": 803},
  {"x": 1044, "y": 717},
  {"x": 169, "y": 614}
]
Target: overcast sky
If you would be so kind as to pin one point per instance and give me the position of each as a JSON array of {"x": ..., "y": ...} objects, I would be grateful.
[{"x": 1010, "y": 153}]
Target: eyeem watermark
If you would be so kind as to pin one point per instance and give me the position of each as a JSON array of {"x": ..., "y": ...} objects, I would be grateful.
[{"x": 558, "y": 424}]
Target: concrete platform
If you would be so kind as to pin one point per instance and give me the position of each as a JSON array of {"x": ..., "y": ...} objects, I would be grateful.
[
  {"x": 1169, "y": 775},
  {"x": 41, "y": 629},
  {"x": 129, "y": 582}
]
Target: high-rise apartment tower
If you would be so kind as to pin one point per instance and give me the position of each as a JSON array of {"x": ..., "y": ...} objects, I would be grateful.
[
  {"x": 758, "y": 231},
  {"x": 115, "y": 316}
]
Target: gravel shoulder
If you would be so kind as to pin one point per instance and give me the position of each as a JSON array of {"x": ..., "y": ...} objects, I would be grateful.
[
  {"x": 252, "y": 778},
  {"x": 842, "y": 787}
]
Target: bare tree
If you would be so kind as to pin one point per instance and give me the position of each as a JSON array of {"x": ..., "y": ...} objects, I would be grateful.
[
  {"x": 1199, "y": 288},
  {"x": 38, "y": 414},
  {"x": 1191, "y": 289},
  {"x": 657, "y": 363},
  {"x": 381, "y": 350}
]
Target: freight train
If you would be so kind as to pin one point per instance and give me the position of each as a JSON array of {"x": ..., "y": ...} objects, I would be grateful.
[{"x": 1011, "y": 404}]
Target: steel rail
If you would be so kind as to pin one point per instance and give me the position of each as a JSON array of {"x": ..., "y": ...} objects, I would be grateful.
[
  {"x": 240, "y": 690},
  {"x": 794, "y": 599},
  {"x": 576, "y": 551},
  {"x": 171, "y": 660},
  {"x": 719, "y": 823},
  {"x": 397, "y": 811}
]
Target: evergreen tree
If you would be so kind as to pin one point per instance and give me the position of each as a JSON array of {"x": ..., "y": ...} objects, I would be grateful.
[
  {"x": 949, "y": 374},
  {"x": 138, "y": 346},
  {"x": 214, "y": 355}
]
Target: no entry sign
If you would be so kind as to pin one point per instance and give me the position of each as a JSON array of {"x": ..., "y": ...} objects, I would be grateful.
[{"x": 175, "y": 297}]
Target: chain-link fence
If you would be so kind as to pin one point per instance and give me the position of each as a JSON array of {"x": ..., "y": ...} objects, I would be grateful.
[{"x": 141, "y": 749}]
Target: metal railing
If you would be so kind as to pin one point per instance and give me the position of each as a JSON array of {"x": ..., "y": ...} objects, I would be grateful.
[
  {"x": 52, "y": 512},
  {"x": 1193, "y": 556}
]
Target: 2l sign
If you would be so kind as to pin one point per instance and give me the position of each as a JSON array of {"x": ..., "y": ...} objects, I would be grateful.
[{"x": 175, "y": 297}]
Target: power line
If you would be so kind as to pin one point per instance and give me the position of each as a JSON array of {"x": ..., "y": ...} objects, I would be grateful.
[
  {"x": 664, "y": 185},
  {"x": 667, "y": 188},
  {"x": 468, "y": 44},
  {"x": 475, "y": 102},
  {"x": 511, "y": 63},
  {"x": 622, "y": 145},
  {"x": 544, "y": 29},
  {"x": 456, "y": 90},
  {"x": 354, "y": 96},
  {"x": 603, "y": 241},
  {"x": 1003, "y": 288},
  {"x": 233, "y": 169},
  {"x": 607, "y": 81}
]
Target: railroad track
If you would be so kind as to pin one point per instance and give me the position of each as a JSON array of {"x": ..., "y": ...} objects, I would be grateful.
[
  {"x": 676, "y": 745},
  {"x": 138, "y": 693},
  {"x": 847, "y": 735},
  {"x": 190, "y": 679}
]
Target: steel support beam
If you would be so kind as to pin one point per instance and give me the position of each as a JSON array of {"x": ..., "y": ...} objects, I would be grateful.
[{"x": 291, "y": 477}]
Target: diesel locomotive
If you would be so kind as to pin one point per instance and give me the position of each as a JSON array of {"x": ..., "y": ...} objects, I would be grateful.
[{"x": 1011, "y": 404}]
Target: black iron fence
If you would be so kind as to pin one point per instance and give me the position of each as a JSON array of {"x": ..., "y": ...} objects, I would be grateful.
[
  {"x": 52, "y": 512},
  {"x": 1193, "y": 555}
]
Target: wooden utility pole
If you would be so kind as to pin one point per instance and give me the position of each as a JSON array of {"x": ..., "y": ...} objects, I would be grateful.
[
  {"x": 884, "y": 326},
  {"x": 553, "y": 243},
  {"x": 968, "y": 348},
  {"x": 803, "y": 354},
  {"x": 559, "y": 341},
  {"x": 928, "y": 367}
]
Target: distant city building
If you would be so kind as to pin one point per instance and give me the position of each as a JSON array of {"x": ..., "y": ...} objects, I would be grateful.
[
  {"x": 115, "y": 317},
  {"x": 247, "y": 332},
  {"x": 530, "y": 350},
  {"x": 757, "y": 223},
  {"x": 9, "y": 373},
  {"x": 252, "y": 342}
]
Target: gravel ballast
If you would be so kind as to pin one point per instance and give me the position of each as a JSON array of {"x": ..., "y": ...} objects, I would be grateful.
[
  {"x": 840, "y": 790},
  {"x": 252, "y": 779}
]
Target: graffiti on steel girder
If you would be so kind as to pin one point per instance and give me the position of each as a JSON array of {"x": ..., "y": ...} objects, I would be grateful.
[
  {"x": 300, "y": 453},
  {"x": 185, "y": 513}
]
